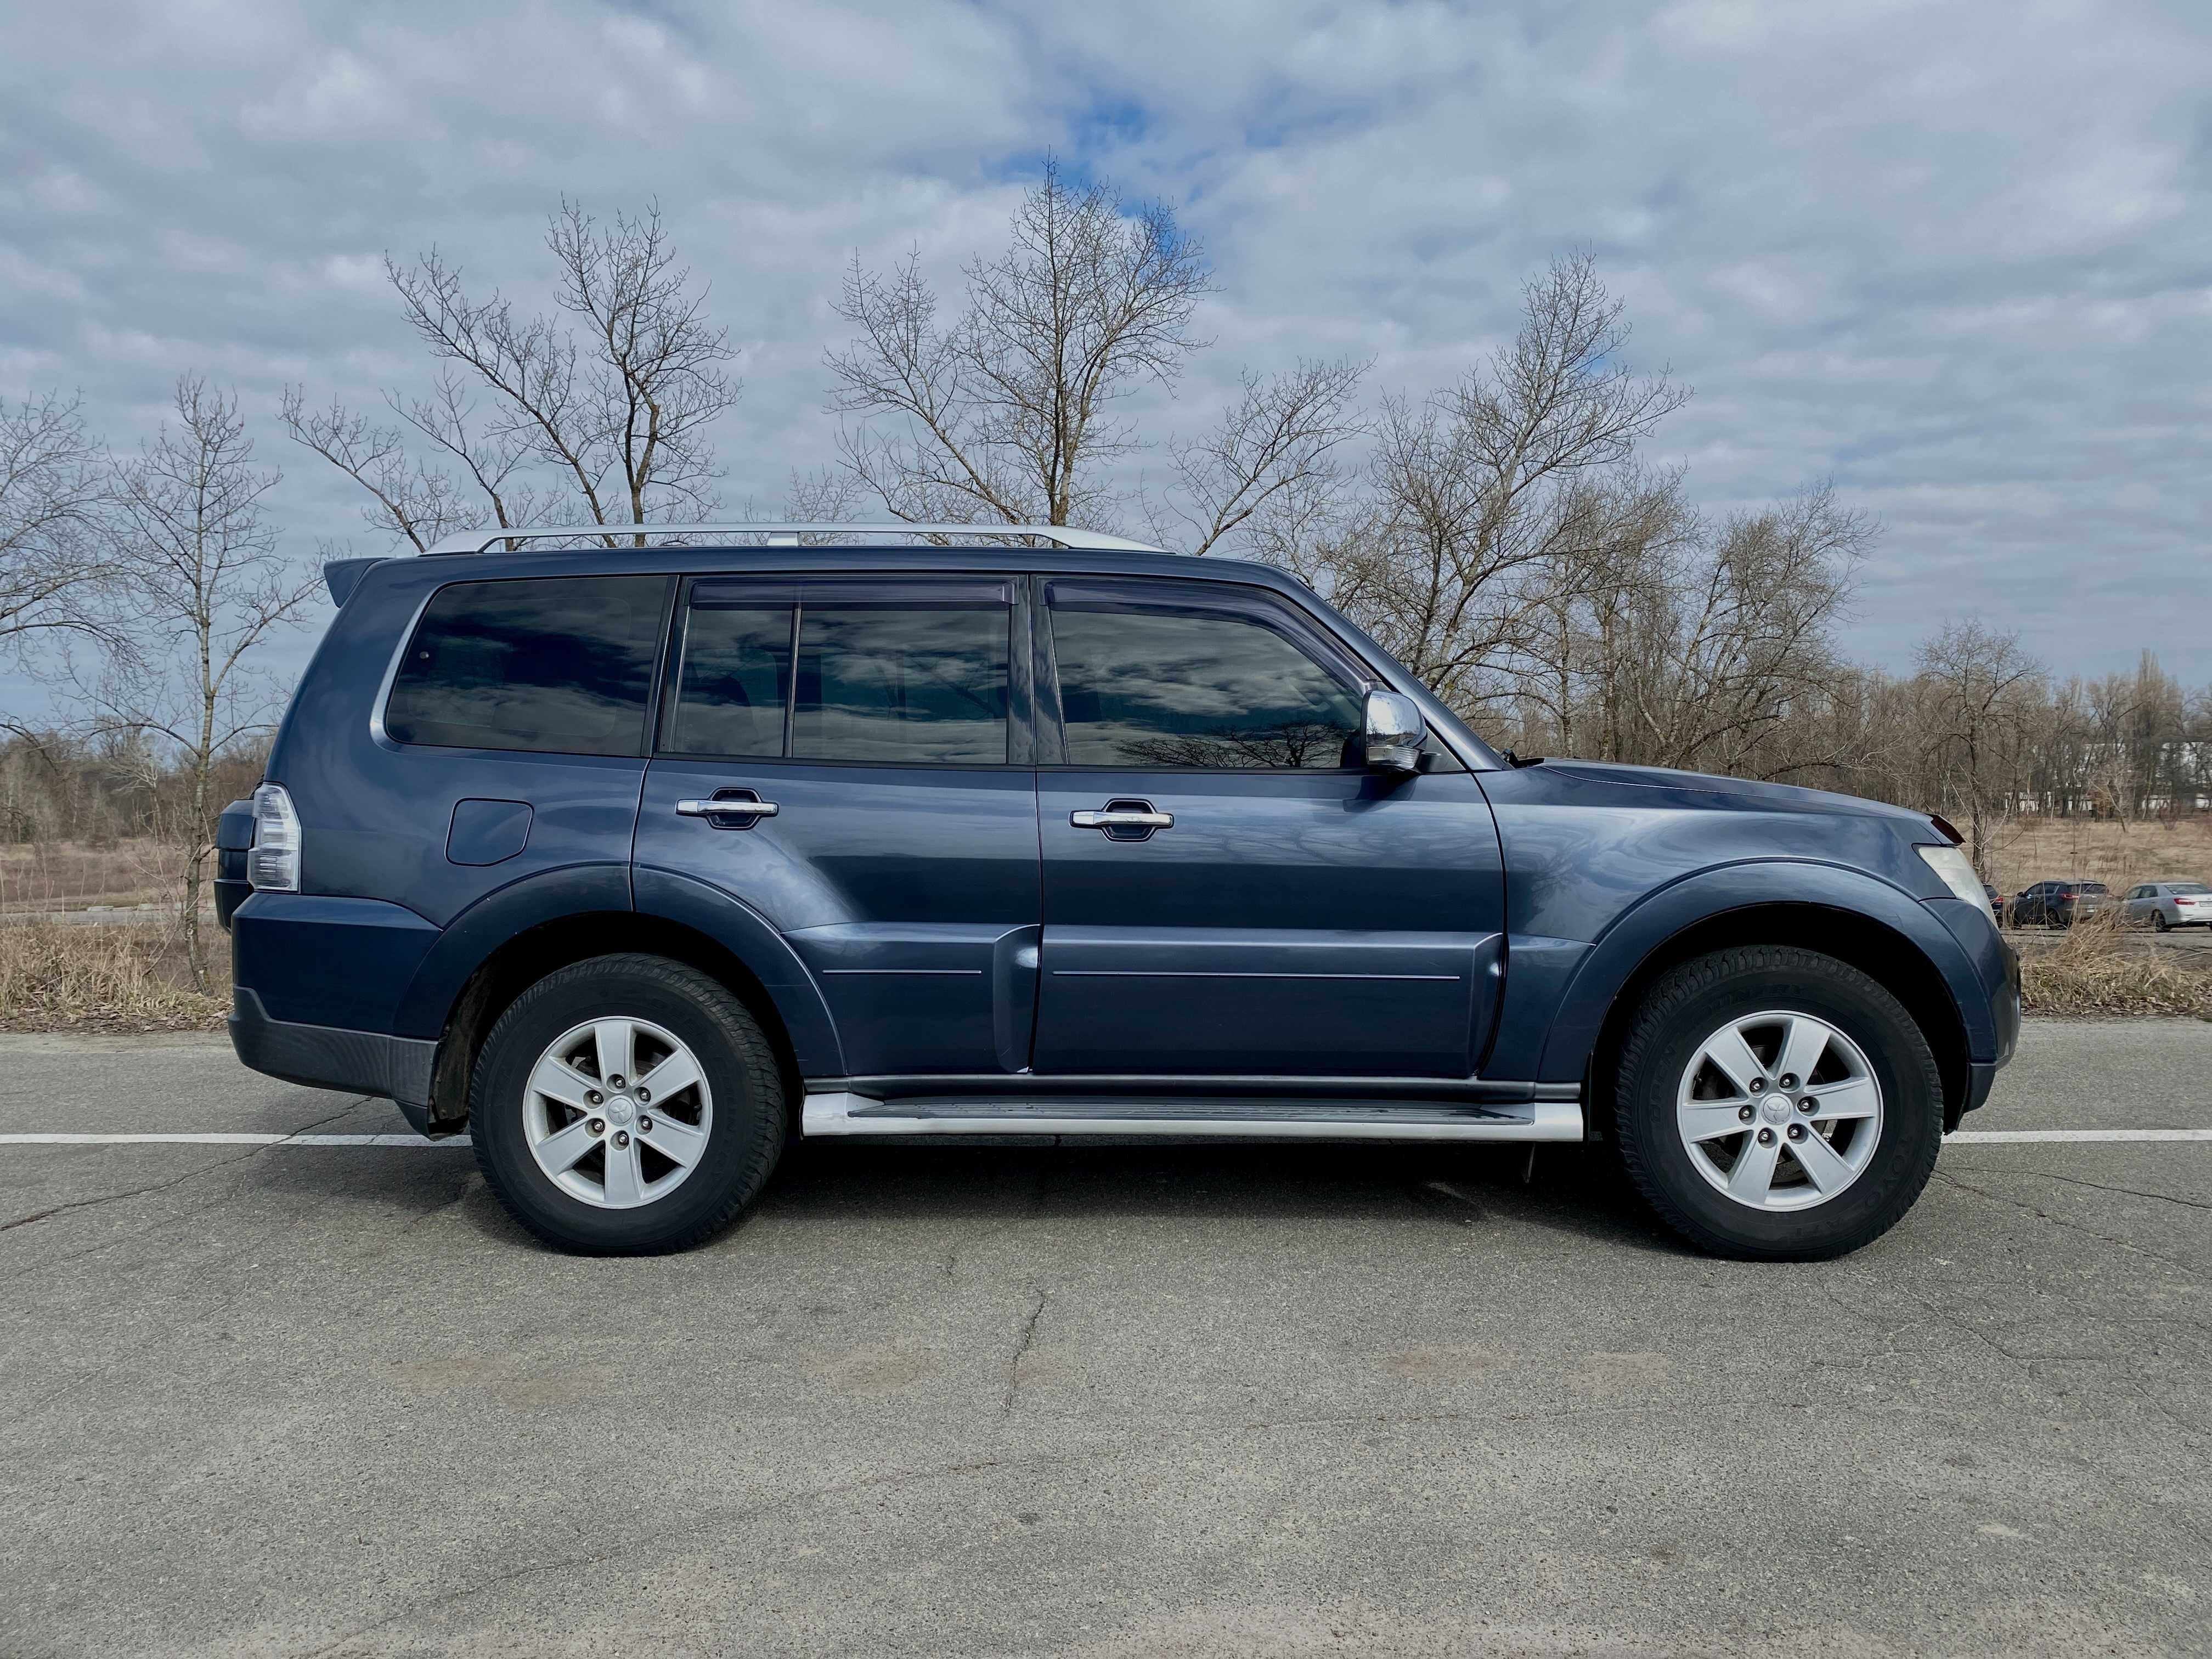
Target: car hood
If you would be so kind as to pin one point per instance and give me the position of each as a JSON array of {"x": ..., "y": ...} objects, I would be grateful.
[{"x": 1695, "y": 789}]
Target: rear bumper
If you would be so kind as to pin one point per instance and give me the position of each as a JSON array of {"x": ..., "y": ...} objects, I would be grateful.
[{"x": 330, "y": 1056}]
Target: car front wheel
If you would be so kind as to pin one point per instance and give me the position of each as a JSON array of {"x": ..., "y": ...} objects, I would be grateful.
[
  {"x": 1776, "y": 1104},
  {"x": 625, "y": 1105}
]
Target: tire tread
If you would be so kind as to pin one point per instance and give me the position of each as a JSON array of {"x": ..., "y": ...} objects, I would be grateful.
[
  {"x": 1654, "y": 1023},
  {"x": 763, "y": 1081}
]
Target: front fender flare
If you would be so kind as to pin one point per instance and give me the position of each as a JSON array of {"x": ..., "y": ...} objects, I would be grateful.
[{"x": 1633, "y": 936}]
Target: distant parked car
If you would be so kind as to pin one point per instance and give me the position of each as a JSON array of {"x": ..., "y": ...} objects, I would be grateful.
[
  {"x": 2164, "y": 904},
  {"x": 2059, "y": 903},
  {"x": 1996, "y": 903}
]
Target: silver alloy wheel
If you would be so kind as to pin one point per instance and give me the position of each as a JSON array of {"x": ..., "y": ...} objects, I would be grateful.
[
  {"x": 606, "y": 1135},
  {"x": 1780, "y": 1110}
]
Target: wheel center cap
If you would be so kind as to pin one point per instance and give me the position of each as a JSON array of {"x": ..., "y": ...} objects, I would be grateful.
[
  {"x": 1776, "y": 1109},
  {"x": 619, "y": 1110}
]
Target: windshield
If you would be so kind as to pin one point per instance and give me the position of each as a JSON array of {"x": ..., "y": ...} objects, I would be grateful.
[
  {"x": 2091, "y": 887},
  {"x": 2189, "y": 887}
]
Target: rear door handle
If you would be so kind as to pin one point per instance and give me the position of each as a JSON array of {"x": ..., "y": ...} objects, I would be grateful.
[{"x": 729, "y": 809}]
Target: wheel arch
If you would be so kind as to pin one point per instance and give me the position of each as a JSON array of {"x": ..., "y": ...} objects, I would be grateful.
[
  {"x": 1883, "y": 932},
  {"x": 529, "y": 956}
]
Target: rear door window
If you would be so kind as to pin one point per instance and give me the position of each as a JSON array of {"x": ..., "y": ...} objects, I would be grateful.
[
  {"x": 907, "y": 671},
  {"x": 556, "y": 665}
]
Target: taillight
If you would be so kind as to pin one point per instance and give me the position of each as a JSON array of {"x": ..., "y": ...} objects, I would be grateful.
[{"x": 273, "y": 865}]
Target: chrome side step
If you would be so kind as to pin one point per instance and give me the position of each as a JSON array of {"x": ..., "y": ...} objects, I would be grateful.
[{"x": 840, "y": 1112}]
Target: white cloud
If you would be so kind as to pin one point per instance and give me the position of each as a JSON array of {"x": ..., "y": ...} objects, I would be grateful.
[{"x": 1954, "y": 257}]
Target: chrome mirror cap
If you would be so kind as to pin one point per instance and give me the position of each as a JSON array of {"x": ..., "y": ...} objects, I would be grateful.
[{"x": 1394, "y": 733}]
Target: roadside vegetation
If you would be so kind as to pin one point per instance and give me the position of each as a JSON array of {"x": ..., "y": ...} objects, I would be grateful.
[
  {"x": 77, "y": 976},
  {"x": 2100, "y": 967}
]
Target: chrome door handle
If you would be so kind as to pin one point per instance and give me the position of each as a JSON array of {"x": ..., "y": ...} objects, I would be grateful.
[
  {"x": 750, "y": 810},
  {"x": 1124, "y": 820}
]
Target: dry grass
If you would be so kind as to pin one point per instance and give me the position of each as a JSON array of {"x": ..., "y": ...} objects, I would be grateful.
[
  {"x": 2093, "y": 971},
  {"x": 58, "y": 976}
]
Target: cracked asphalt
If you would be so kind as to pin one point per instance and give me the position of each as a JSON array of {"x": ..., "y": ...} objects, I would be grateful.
[{"x": 322, "y": 1401}]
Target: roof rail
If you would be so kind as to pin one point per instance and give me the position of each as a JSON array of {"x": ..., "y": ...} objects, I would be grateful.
[{"x": 787, "y": 535}]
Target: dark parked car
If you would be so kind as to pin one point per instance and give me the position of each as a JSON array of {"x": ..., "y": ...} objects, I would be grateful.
[
  {"x": 2058, "y": 904},
  {"x": 636, "y": 862}
]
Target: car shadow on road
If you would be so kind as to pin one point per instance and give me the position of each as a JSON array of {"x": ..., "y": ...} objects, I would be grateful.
[{"x": 1573, "y": 1190}]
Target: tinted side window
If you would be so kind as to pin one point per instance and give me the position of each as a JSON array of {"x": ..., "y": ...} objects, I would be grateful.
[
  {"x": 902, "y": 685},
  {"x": 902, "y": 670},
  {"x": 734, "y": 683},
  {"x": 1145, "y": 687},
  {"x": 553, "y": 665}
]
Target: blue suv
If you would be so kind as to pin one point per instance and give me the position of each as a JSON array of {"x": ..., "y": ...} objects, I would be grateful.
[{"x": 636, "y": 861}]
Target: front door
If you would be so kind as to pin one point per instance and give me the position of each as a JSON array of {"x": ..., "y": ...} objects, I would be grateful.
[
  {"x": 847, "y": 755},
  {"x": 1228, "y": 891}
]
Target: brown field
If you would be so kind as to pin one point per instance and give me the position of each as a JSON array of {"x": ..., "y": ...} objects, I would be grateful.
[
  {"x": 73, "y": 876},
  {"x": 2024, "y": 850}
]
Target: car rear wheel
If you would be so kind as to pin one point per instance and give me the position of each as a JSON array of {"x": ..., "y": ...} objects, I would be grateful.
[
  {"x": 1773, "y": 1104},
  {"x": 625, "y": 1105},
  {"x": 2158, "y": 921}
]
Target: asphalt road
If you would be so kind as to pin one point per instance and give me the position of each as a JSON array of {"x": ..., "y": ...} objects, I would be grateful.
[{"x": 320, "y": 1400}]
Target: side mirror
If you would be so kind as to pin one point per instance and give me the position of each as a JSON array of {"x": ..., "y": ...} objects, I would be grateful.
[{"x": 1394, "y": 733}]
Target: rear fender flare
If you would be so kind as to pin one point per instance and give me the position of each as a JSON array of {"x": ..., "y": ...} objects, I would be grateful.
[
  {"x": 472, "y": 936},
  {"x": 750, "y": 937}
]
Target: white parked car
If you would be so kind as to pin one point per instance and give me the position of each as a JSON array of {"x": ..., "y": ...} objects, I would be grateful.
[{"x": 2164, "y": 904}]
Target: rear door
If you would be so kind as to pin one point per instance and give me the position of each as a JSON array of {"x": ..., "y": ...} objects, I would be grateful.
[
  {"x": 849, "y": 757},
  {"x": 1227, "y": 889}
]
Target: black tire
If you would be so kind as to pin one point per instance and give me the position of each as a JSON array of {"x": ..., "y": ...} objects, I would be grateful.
[
  {"x": 2158, "y": 921},
  {"x": 1690, "y": 1002},
  {"x": 744, "y": 1139}
]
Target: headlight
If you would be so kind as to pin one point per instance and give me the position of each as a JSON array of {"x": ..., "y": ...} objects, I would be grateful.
[
  {"x": 1958, "y": 875},
  {"x": 273, "y": 864}
]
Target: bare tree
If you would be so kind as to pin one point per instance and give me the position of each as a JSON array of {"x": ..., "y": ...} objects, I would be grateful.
[
  {"x": 604, "y": 418},
  {"x": 1485, "y": 496},
  {"x": 54, "y": 497},
  {"x": 1744, "y": 638},
  {"x": 1004, "y": 414},
  {"x": 1978, "y": 680},
  {"x": 206, "y": 586},
  {"x": 1275, "y": 450}
]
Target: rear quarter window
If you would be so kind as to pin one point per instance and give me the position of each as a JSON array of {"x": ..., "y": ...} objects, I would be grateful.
[{"x": 546, "y": 664}]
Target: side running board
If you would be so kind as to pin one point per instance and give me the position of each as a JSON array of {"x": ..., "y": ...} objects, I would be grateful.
[{"x": 839, "y": 1112}]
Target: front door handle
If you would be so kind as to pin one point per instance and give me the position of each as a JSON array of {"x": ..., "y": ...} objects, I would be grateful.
[
  {"x": 1124, "y": 820},
  {"x": 729, "y": 809}
]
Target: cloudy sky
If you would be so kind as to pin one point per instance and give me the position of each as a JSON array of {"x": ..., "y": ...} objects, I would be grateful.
[{"x": 1954, "y": 257}]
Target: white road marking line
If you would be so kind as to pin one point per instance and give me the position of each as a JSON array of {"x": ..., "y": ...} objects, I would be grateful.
[
  {"x": 213, "y": 1139},
  {"x": 2023, "y": 1137}
]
